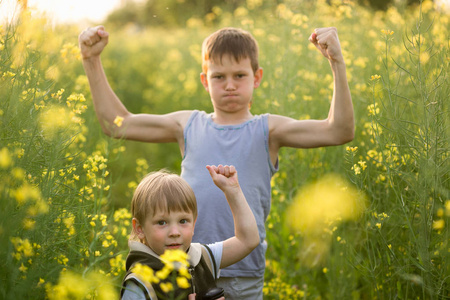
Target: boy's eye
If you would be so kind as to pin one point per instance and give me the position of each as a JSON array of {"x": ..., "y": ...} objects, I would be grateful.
[
  {"x": 184, "y": 221},
  {"x": 162, "y": 222},
  {"x": 218, "y": 76},
  {"x": 240, "y": 75}
]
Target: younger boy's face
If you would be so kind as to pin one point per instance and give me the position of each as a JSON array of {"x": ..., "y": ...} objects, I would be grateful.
[
  {"x": 231, "y": 83},
  {"x": 165, "y": 231}
]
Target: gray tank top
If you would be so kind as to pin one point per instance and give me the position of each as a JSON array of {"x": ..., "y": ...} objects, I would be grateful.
[{"x": 246, "y": 146}]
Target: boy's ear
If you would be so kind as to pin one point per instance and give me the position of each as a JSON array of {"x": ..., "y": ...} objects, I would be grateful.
[
  {"x": 137, "y": 228},
  {"x": 204, "y": 80},
  {"x": 258, "y": 78}
]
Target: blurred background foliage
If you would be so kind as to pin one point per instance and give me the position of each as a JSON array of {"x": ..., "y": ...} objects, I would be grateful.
[{"x": 175, "y": 13}]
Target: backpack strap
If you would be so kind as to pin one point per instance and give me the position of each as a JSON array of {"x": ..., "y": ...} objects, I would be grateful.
[
  {"x": 206, "y": 251},
  {"x": 147, "y": 290}
]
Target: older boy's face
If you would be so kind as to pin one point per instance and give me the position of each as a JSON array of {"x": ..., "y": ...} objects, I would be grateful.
[
  {"x": 231, "y": 83},
  {"x": 165, "y": 231}
]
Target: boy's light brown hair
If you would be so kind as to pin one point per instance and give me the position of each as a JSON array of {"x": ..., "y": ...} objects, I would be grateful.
[
  {"x": 161, "y": 191},
  {"x": 235, "y": 42}
]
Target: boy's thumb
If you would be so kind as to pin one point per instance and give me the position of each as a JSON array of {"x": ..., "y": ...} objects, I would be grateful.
[
  {"x": 102, "y": 33},
  {"x": 212, "y": 172},
  {"x": 313, "y": 38}
]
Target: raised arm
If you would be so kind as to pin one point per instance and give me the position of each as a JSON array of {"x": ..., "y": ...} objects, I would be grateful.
[
  {"x": 245, "y": 229},
  {"x": 338, "y": 127},
  {"x": 140, "y": 127}
]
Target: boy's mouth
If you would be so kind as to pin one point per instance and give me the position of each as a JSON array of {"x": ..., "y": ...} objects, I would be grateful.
[
  {"x": 231, "y": 95},
  {"x": 173, "y": 246}
]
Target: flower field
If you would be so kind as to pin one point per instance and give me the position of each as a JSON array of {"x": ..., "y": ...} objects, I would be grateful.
[{"x": 366, "y": 220}]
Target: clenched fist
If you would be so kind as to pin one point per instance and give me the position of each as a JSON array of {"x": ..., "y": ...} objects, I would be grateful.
[
  {"x": 327, "y": 41},
  {"x": 92, "y": 41}
]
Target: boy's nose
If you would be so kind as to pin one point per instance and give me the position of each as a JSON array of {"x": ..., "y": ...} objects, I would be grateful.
[
  {"x": 174, "y": 231},
  {"x": 230, "y": 86}
]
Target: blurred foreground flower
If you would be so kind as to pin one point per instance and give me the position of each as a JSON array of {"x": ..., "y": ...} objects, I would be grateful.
[
  {"x": 74, "y": 286},
  {"x": 54, "y": 120},
  {"x": 318, "y": 209},
  {"x": 5, "y": 158},
  {"x": 175, "y": 273}
]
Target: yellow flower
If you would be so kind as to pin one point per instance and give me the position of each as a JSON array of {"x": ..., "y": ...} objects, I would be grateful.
[
  {"x": 351, "y": 149},
  {"x": 145, "y": 272},
  {"x": 325, "y": 270},
  {"x": 331, "y": 199},
  {"x": 22, "y": 268},
  {"x": 118, "y": 121},
  {"x": 439, "y": 224},
  {"x": 18, "y": 173},
  {"x": 378, "y": 225},
  {"x": 183, "y": 283},
  {"x": 357, "y": 169},
  {"x": 166, "y": 287},
  {"x": 22, "y": 247},
  {"x": 28, "y": 223},
  {"x": 319, "y": 207},
  {"x": 373, "y": 109},
  {"x": 5, "y": 158},
  {"x": 387, "y": 32},
  {"x": 375, "y": 77},
  {"x": 362, "y": 164},
  {"x": 53, "y": 120},
  {"x": 164, "y": 272},
  {"x": 175, "y": 256},
  {"x": 73, "y": 286}
]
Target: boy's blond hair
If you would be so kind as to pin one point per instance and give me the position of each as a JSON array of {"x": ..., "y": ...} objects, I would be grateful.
[
  {"x": 161, "y": 191},
  {"x": 235, "y": 42}
]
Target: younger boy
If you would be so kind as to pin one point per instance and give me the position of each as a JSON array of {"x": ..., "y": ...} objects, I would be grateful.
[
  {"x": 231, "y": 134},
  {"x": 164, "y": 213}
]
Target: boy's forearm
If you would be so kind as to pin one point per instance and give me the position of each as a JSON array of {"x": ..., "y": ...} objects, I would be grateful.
[
  {"x": 341, "y": 109},
  {"x": 106, "y": 104},
  {"x": 245, "y": 226}
]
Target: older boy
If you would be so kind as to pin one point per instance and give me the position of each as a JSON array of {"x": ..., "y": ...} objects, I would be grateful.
[{"x": 234, "y": 136}]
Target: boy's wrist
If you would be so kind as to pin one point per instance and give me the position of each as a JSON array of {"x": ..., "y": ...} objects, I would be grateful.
[
  {"x": 233, "y": 191},
  {"x": 92, "y": 63},
  {"x": 337, "y": 63},
  {"x": 90, "y": 59}
]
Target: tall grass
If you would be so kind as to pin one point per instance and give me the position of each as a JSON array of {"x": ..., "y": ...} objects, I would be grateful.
[{"x": 65, "y": 188}]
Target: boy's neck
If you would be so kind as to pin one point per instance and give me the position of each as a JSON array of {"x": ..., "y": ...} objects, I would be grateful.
[{"x": 223, "y": 118}]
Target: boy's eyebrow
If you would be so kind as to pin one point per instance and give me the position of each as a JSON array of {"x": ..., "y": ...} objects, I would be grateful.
[{"x": 235, "y": 71}]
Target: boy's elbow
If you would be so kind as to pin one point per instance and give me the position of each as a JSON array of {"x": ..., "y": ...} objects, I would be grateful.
[
  {"x": 112, "y": 134},
  {"x": 254, "y": 242},
  {"x": 112, "y": 129},
  {"x": 250, "y": 245},
  {"x": 107, "y": 131},
  {"x": 349, "y": 136},
  {"x": 345, "y": 135}
]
